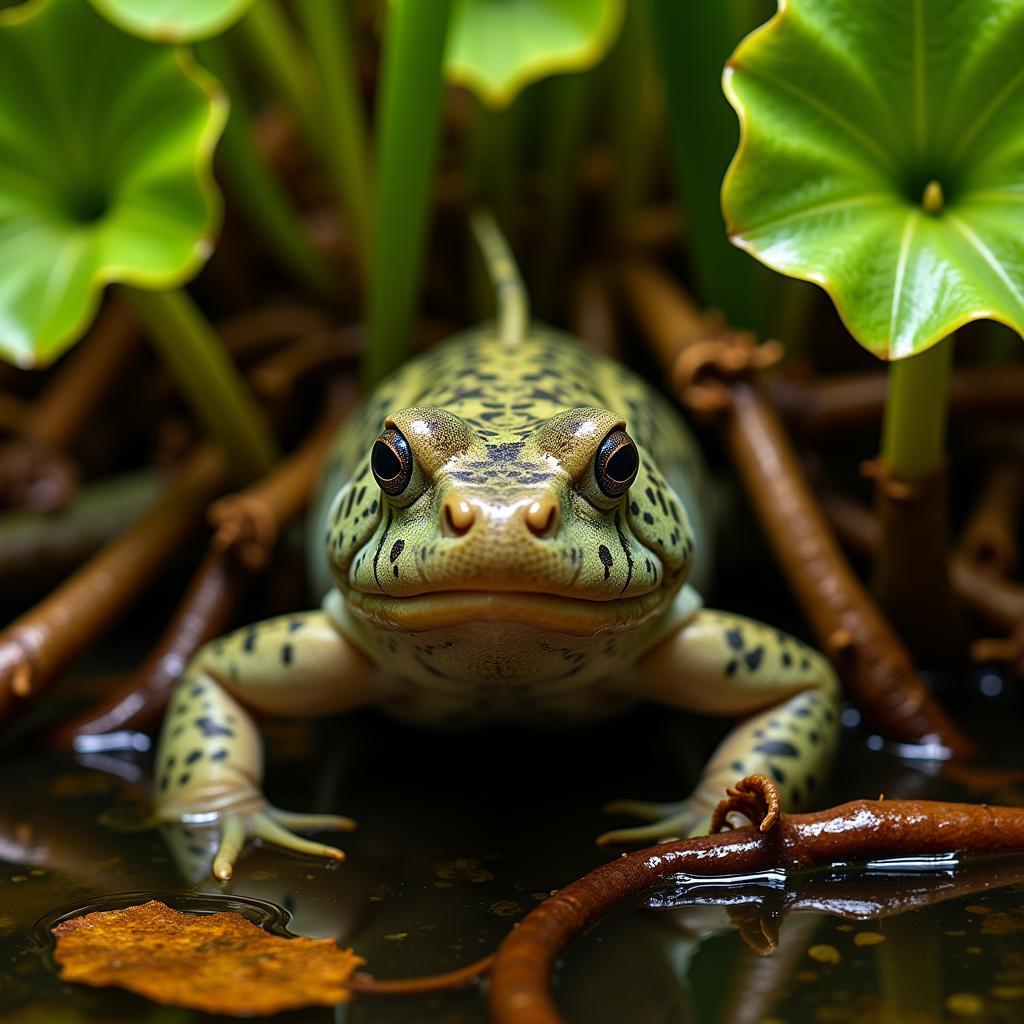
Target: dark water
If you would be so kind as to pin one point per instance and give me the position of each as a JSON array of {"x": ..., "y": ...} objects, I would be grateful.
[{"x": 461, "y": 835}]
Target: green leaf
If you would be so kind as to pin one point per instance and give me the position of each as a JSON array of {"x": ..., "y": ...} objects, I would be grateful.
[
  {"x": 173, "y": 21},
  {"x": 496, "y": 47},
  {"x": 849, "y": 111},
  {"x": 105, "y": 170}
]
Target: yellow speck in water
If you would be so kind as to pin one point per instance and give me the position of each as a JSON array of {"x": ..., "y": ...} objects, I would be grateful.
[
  {"x": 965, "y": 1004},
  {"x": 1000, "y": 924},
  {"x": 868, "y": 938},
  {"x": 397, "y": 936},
  {"x": 505, "y": 908},
  {"x": 844, "y": 928},
  {"x": 1007, "y": 991},
  {"x": 824, "y": 954},
  {"x": 973, "y": 950},
  {"x": 442, "y": 885},
  {"x": 807, "y": 976},
  {"x": 933, "y": 199},
  {"x": 38, "y": 872},
  {"x": 19, "y": 878},
  {"x": 977, "y": 908}
]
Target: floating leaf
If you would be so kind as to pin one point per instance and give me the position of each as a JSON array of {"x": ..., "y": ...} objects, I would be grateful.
[
  {"x": 105, "y": 154},
  {"x": 173, "y": 21},
  {"x": 882, "y": 157},
  {"x": 217, "y": 963},
  {"x": 496, "y": 47}
]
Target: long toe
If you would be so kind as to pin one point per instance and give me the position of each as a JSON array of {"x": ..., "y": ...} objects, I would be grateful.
[
  {"x": 264, "y": 827},
  {"x": 311, "y": 822}
]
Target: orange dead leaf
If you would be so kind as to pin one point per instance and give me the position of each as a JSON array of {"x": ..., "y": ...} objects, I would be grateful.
[{"x": 219, "y": 963}]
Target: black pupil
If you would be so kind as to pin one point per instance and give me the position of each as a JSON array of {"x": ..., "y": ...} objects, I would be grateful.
[
  {"x": 623, "y": 463},
  {"x": 386, "y": 464}
]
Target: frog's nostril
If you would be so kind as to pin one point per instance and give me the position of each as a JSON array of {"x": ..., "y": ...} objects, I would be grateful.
[
  {"x": 458, "y": 517},
  {"x": 542, "y": 518}
]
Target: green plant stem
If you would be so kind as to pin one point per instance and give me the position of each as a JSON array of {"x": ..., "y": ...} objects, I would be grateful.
[
  {"x": 565, "y": 127},
  {"x": 328, "y": 32},
  {"x": 273, "y": 42},
  {"x": 914, "y": 429},
  {"x": 265, "y": 201},
  {"x": 632, "y": 104},
  {"x": 693, "y": 41},
  {"x": 208, "y": 379},
  {"x": 408, "y": 132}
]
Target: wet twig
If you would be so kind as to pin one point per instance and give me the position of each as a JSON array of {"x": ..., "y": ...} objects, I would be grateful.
[
  {"x": 989, "y": 539},
  {"x": 855, "y": 832},
  {"x": 47, "y": 638},
  {"x": 814, "y": 407},
  {"x": 705, "y": 362},
  {"x": 36, "y": 469}
]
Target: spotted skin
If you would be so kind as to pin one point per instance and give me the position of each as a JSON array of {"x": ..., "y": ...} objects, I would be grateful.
[{"x": 501, "y": 584}]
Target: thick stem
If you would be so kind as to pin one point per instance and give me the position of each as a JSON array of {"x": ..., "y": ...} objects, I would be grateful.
[
  {"x": 265, "y": 201},
  {"x": 855, "y": 832},
  {"x": 328, "y": 33},
  {"x": 407, "y": 141},
  {"x": 208, "y": 379},
  {"x": 912, "y": 575},
  {"x": 914, "y": 429}
]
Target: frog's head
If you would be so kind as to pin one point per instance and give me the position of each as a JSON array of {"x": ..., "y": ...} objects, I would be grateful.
[{"x": 565, "y": 522}]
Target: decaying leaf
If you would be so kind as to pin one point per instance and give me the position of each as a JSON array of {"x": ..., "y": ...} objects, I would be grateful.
[{"x": 219, "y": 963}]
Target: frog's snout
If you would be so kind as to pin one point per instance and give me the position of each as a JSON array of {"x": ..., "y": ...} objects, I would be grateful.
[{"x": 539, "y": 516}]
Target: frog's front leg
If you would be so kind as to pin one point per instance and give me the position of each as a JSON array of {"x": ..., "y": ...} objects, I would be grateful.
[
  {"x": 210, "y": 757},
  {"x": 723, "y": 664}
]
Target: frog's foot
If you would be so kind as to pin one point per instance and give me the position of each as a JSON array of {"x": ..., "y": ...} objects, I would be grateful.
[
  {"x": 675, "y": 820},
  {"x": 272, "y": 825}
]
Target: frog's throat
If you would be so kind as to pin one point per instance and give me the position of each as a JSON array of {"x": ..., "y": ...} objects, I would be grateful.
[{"x": 566, "y": 615}]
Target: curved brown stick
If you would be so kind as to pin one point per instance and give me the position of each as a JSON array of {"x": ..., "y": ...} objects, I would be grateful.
[
  {"x": 35, "y": 470},
  {"x": 256, "y": 330},
  {"x": 277, "y": 375},
  {"x": 859, "y": 831},
  {"x": 248, "y": 523},
  {"x": 47, "y": 638},
  {"x": 206, "y": 610},
  {"x": 989, "y": 540},
  {"x": 83, "y": 379},
  {"x": 875, "y": 666},
  {"x": 846, "y": 402},
  {"x": 38, "y": 549},
  {"x": 367, "y": 985}
]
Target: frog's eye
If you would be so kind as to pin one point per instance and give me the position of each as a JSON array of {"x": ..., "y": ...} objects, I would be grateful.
[
  {"x": 391, "y": 462},
  {"x": 616, "y": 464}
]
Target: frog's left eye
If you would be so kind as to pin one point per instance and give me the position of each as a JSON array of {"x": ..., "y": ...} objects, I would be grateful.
[
  {"x": 616, "y": 464},
  {"x": 391, "y": 462}
]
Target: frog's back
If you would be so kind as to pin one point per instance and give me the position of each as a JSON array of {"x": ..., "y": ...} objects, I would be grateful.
[{"x": 504, "y": 392}]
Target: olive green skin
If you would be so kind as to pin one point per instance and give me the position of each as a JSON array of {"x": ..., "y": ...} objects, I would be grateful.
[
  {"x": 501, "y": 426},
  {"x": 501, "y": 583}
]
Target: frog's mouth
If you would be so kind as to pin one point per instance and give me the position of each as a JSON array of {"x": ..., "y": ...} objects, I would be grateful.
[{"x": 555, "y": 613}]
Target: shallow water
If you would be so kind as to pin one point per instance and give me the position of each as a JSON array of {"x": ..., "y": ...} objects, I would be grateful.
[{"x": 461, "y": 835}]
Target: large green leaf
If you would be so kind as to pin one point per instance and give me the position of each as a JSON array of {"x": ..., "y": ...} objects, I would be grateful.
[
  {"x": 174, "y": 21},
  {"x": 850, "y": 110},
  {"x": 105, "y": 153},
  {"x": 496, "y": 47}
]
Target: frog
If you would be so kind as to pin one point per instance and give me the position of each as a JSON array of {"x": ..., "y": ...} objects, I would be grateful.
[{"x": 510, "y": 528}]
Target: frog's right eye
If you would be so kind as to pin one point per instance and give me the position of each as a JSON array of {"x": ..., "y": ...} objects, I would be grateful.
[{"x": 391, "y": 462}]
